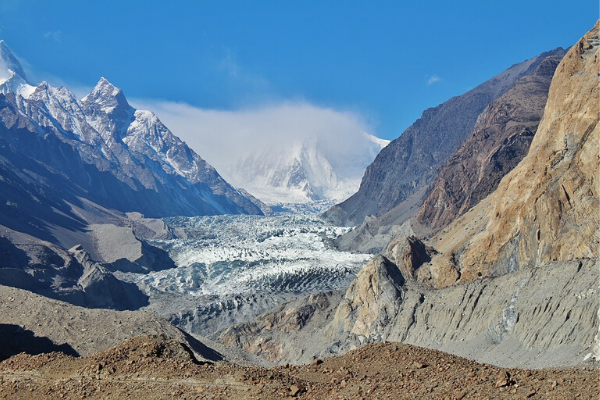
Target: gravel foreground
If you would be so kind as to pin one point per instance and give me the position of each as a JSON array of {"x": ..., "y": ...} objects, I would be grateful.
[{"x": 156, "y": 367}]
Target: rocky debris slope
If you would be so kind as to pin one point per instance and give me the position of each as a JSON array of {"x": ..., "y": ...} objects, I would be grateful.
[
  {"x": 409, "y": 163},
  {"x": 119, "y": 242},
  {"x": 499, "y": 141},
  {"x": 285, "y": 332},
  {"x": 513, "y": 320},
  {"x": 154, "y": 367},
  {"x": 42, "y": 267},
  {"x": 34, "y": 324}
]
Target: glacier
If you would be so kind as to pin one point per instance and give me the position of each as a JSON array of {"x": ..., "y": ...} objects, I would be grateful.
[
  {"x": 232, "y": 268},
  {"x": 242, "y": 254}
]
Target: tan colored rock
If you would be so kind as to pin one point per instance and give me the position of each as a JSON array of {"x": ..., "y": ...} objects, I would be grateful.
[
  {"x": 443, "y": 271},
  {"x": 503, "y": 379},
  {"x": 296, "y": 389},
  {"x": 409, "y": 254},
  {"x": 546, "y": 209},
  {"x": 421, "y": 262}
]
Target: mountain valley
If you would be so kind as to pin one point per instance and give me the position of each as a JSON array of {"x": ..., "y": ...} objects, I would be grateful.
[{"x": 464, "y": 265}]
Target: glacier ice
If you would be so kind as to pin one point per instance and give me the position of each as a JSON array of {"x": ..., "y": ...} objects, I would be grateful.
[{"x": 234, "y": 254}]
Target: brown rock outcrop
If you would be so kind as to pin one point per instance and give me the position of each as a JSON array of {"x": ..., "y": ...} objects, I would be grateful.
[
  {"x": 423, "y": 263},
  {"x": 409, "y": 254},
  {"x": 546, "y": 209}
]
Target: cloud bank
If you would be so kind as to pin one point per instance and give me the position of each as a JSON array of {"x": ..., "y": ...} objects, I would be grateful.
[{"x": 224, "y": 137}]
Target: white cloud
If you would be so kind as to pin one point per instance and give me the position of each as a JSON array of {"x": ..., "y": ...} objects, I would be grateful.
[
  {"x": 432, "y": 80},
  {"x": 222, "y": 137},
  {"x": 54, "y": 35}
]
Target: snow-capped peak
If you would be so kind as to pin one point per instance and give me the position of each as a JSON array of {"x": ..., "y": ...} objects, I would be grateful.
[
  {"x": 304, "y": 170},
  {"x": 16, "y": 84},
  {"x": 9, "y": 65},
  {"x": 12, "y": 76},
  {"x": 107, "y": 96}
]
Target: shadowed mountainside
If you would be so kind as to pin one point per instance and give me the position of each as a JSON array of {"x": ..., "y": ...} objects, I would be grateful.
[
  {"x": 410, "y": 162},
  {"x": 499, "y": 141}
]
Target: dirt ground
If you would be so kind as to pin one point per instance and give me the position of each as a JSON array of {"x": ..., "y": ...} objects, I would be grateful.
[{"x": 156, "y": 367}]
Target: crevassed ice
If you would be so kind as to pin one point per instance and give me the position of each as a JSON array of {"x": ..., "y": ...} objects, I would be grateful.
[{"x": 250, "y": 254}]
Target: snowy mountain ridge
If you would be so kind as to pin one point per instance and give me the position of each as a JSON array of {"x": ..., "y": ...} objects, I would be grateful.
[{"x": 118, "y": 141}]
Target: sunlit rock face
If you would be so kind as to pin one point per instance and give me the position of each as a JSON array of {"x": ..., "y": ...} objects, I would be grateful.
[{"x": 546, "y": 209}]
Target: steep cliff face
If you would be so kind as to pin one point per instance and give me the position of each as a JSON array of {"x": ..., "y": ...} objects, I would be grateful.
[
  {"x": 546, "y": 209},
  {"x": 499, "y": 141},
  {"x": 410, "y": 162}
]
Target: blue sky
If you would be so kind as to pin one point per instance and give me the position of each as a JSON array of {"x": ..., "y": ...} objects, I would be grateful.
[{"x": 384, "y": 62}]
